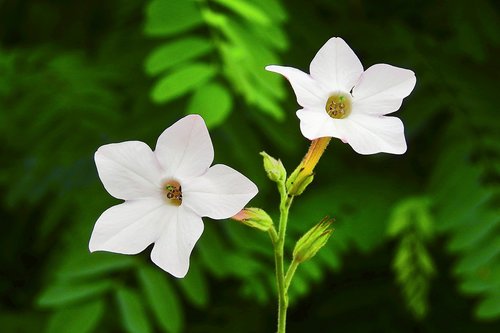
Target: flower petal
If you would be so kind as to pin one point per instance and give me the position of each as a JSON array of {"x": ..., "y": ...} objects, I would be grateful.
[
  {"x": 220, "y": 193},
  {"x": 336, "y": 66},
  {"x": 382, "y": 88},
  {"x": 128, "y": 170},
  {"x": 185, "y": 148},
  {"x": 129, "y": 227},
  {"x": 172, "y": 250},
  {"x": 369, "y": 134},
  {"x": 310, "y": 93},
  {"x": 314, "y": 125}
]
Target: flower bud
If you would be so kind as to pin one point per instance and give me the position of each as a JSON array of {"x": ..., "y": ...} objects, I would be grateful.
[
  {"x": 274, "y": 168},
  {"x": 313, "y": 240},
  {"x": 255, "y": 218}
]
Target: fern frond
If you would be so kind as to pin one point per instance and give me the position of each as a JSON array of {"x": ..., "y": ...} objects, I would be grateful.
[{"x": 240, "y": 37}]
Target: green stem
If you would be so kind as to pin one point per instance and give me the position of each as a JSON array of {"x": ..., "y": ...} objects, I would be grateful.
[
  {"x": 285, "y": 204},
  {"x": 289, "y": 273},
  {"x": 274, "y": 235}
]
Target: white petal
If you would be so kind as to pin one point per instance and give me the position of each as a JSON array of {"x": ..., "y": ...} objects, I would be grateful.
[
  {"x": 128, "y": 170},
  {"x": 220, "y": 193},
  {"x": 374, "y": 134},
  {"x": 309, "y": 92},
  {"x": 314, "y": 125},
  {"x": 172, "y": 250},
  {"x": 336, "y": 66},
  {"x": 185, "y": 148},
  {"x": 382, "y": 88},
  {"x": 130, "y": 227}
]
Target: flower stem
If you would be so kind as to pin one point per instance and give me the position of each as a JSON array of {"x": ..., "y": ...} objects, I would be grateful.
[
  {"x": 273, "y": 235},
  {"x": 290, "y": 272},
  {"x": 285, "y": 204},
  {"x": 304, "y": 170}
]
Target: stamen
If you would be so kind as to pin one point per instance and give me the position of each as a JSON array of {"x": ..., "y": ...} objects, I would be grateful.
[
  {"x": 338, "y": 106},
  {"x": 173, "y": 192}
]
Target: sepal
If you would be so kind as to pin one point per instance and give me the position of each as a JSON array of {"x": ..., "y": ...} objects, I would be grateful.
[
  {"x": 254, "y": 217},
  {"x": 313, "y": 240}
]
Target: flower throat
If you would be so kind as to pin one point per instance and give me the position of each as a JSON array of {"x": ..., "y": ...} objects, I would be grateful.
[
  {"x": 173, "y": 192},
  {"x": 338, "y": 106}
]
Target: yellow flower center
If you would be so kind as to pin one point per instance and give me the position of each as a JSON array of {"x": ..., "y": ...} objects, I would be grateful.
[
  {"x": 338, "y": 106},
  {"x": 172, "y": 191}
]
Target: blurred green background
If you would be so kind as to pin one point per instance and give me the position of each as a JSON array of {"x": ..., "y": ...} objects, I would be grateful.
[{"x": 417, "y": 242}]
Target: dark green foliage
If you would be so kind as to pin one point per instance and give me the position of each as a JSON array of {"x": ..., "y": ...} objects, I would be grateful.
[
  {"x": 76, "y": 75},
  {"x": 162, "y": 299},
  {"x": 80, "y": 318},
  {"x": 412, "y": 223},
  {"x": 132, "y": 307}
]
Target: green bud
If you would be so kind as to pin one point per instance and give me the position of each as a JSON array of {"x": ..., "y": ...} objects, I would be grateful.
[
  {"x": 298, "y": 181},
  {"x": 255, "y": 218},
  {"x": 313, "y": 240},
  {"x": 274, "y": 168}
]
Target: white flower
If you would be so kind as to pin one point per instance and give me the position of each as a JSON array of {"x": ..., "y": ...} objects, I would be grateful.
[
  {"x": 340, "y": 100},
  {"x": 166, "y": 193}
]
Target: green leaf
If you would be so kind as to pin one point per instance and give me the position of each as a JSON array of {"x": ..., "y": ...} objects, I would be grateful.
[
  {"x": 134, "y": 317},
  {"x": 412, "y": 263},
  {"x": 213, "y": 252},
  {"x": 212, "y": 102},
  {"x": 242, "y": 265},
  {"x": 195, "y": 287},
  {"x": 81, "y": 318},
  {"x": 246, "y": 10},
  {"x": 489, "y": 307},
  {"x": 165, "y": 18},
  {"x": 269, "y": 106},
  {"x": 477, "y": 257},
  {"x": 330, "y": 257},
  {"x": 181, "y": 81},
  {"x": 273, "y": 36},
  {"x": 484, "y": 281},
  {"x": 299, "y": 285},
  {"x": 474, "y": 232},
  {"x": 239, "y": 235},
  {"x": 312, "y": 269},
  {"x": 255, "y": 289},
  {"x": 411, "y": 214},
  {"x": 244, "y": 56},
  {"x": 176, "y": 52},
  {"x": 162, "y": 299},
  {"x": 61, "y": 294},
  {"x": 95, "y": 265},
  {"x": 273, "y": 8}
]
